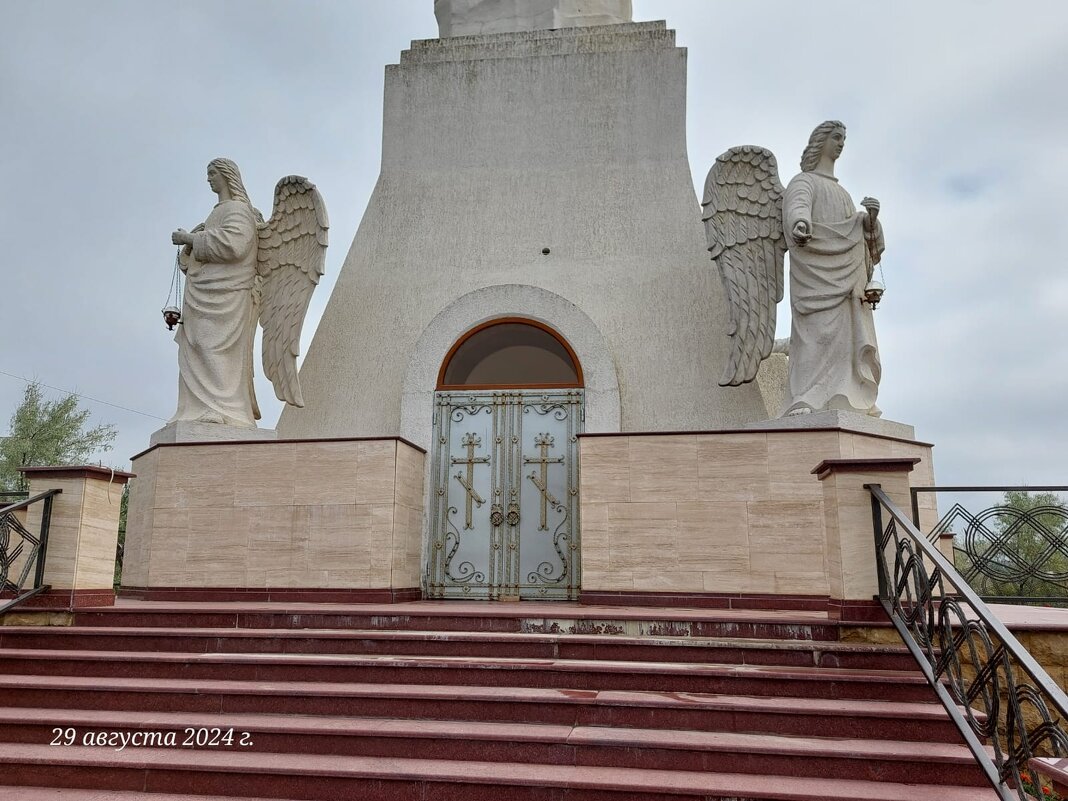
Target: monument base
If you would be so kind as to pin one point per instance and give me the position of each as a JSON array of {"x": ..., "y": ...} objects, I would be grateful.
[
  {"x": 338, "y": 519},
  {"x": 192, "y": 431},
  {"x": 742, "y": 518},
  {"x": 837, "y": 418}
]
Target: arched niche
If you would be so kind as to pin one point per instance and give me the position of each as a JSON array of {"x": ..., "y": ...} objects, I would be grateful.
[{"x": 510, "y": 353}]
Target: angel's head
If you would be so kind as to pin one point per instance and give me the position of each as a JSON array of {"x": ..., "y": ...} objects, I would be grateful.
[
  {"x": 829, "y": 135},
  {"x": 224, "y": 173}
]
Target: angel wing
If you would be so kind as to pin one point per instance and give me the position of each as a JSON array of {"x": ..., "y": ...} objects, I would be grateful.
[
  {"x": 742, "y": 212},
  {"x": 290, "y": 259}
]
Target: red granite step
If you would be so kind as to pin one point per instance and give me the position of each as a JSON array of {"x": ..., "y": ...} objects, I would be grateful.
[
  {"x": 666, "y": 710},
  {"x": 573, "y": 674},
  {"x": 873, "y": 760},
  {"x": 83, "y": 794},
  {"x": 472, "y": 616},
  {"x": 460, "y": 643},
  {"x": 314, "y": 777}
]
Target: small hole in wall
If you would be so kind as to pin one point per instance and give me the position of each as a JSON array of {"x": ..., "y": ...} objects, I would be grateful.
[{"x": 545, "y": 251}]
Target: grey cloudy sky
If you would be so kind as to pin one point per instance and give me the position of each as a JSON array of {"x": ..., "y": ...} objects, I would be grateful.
[{"x": 958, "y": 123}]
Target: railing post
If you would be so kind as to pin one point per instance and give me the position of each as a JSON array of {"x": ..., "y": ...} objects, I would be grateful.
[
  {"x": 877, "y": 526},
  {"x": 42, "y": 551}
]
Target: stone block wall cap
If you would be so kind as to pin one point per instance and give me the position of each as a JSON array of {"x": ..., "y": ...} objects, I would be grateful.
[
  {"x": 78, "y": 471},
  {"x": 888, "y": 465}
]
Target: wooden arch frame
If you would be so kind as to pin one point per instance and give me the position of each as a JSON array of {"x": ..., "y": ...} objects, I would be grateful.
[{"x": 579, "y": 383}]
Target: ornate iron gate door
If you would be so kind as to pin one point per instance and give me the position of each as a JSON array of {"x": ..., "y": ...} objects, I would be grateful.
[{"x": 505, "y": 499}]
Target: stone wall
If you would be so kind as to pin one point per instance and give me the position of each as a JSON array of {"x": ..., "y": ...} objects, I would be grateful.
[
  {"x": 730, "y": 512},
  {"x": 276, "y": 514}
]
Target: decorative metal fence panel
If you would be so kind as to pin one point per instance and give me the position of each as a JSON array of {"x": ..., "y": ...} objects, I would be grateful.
[
  {"x": 504, "y": 517},
  {"x": 997, "y": 694},
  {"x": 23, "y": 551},
  {"x": 1008, "y": 552}
]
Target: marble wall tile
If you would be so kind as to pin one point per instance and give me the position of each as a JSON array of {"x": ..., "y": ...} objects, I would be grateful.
[
  {"x": 663, "y": 468},
  {"x": 376, "y": 471},
  {"x": 265, "y": 475},
  {"x": 605, "y": 469},
  {"x": 326, "y": 473}
]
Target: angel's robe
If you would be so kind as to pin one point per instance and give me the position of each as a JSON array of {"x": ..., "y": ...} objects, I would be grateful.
[
  {"x": 834, "y": 356},
  {"x": 218, "y": 320}
]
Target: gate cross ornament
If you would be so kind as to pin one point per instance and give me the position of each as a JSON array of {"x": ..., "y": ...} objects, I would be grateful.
[
  {"x": 470, "y": 441},
  {"x": 544, "y": 443}
]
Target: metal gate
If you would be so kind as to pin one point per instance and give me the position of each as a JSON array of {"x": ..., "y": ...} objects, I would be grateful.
[{"x": 505, "y": 495}]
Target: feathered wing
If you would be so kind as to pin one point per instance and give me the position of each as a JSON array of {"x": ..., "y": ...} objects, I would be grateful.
[
  {"x": 290, "y": 262},
  {"x": 742, "y": 212}
]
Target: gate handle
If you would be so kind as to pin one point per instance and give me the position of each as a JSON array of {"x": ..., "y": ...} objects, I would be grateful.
[
  {"x": 496, "y": 515},
  {"x": 513, "y": 514}
]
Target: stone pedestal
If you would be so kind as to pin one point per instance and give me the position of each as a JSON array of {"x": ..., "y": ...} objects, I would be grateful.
[
  {"x": 318, "y": 520},
  {"x": 737, "y": 518},
  {"x": 851, "y": 567},
  {"x": 190, "y": 431},
  {"x": 83, "y": 533}
]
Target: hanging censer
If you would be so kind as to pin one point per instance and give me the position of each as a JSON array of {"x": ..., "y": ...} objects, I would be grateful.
[
  {"x": 172, "y": 311},
  {"x": 873, "y": 291}
]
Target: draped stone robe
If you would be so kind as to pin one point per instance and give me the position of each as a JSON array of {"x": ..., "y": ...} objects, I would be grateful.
[
  {"x": 218, "y": 320},
  {"x": 834, "y": 356}
]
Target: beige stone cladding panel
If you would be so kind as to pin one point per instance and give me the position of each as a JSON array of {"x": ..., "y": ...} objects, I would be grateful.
[
  {"x": 282, "y": 514},
  {"x": 63, "y": 531},
  {"x": 728, "y": 513},
  {"x": 139, "y": 514},
  {"x": 791, "y": 457},
  {"x": 733, "y": 467},
  {"x": 408, "y": 517},
  {"x": 101, "y": 502},
  {"x": 327, "y": 473},
  {"x": 605, "y": 470},
  {"x": 851, "y": 535},
  {"x": 663, "y": 468}
]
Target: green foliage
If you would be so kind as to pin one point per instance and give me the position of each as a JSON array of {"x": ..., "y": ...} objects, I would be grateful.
[
  {"x": 1025, "y": 534},
  {"x": 120, "y": 546},
  {"x": 45, "y": 432}
]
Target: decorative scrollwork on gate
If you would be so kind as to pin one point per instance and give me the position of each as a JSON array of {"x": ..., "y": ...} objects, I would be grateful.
[{"x": 992, "y": 688}]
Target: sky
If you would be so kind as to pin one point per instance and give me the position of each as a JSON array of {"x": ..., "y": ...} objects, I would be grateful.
[{"x": 958, "y": 122}]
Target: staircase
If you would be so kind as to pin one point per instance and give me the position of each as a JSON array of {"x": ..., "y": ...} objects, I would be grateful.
[{"x": 457, "y": 700}]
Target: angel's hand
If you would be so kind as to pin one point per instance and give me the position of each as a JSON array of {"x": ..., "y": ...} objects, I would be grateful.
[
  {"x": 872, "y": 205},
  {"x": 802, "y": 232},
  {"x": 182, "y": 237}
]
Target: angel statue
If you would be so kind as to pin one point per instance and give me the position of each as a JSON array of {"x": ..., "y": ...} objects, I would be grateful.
[
  {"x": 240, "y": 270},
  {"x": 750, "y": 222}
]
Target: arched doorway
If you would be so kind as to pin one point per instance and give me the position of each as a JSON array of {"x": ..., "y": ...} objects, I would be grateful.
[{"x": 504, "y": 511}]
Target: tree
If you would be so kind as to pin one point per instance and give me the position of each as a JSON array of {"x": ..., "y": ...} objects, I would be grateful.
[
  {"x": 1025, "y": 555},
  {"x": 45, "y": 432}
]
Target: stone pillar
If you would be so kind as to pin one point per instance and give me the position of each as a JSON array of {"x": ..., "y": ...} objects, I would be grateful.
[
  {"x": 851, "y": 565},
  {"x": 82, "y": 535}
]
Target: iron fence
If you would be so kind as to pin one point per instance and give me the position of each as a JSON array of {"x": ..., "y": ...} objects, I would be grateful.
[
  {"x": 22, "y": 550},
  {"x": 1007, "y": 553},
  {"x": 1005, "y": 705}
]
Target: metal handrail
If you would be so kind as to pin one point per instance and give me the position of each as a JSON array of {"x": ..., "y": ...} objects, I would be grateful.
[
  {"x": 11, "y": 551},
  {"x": 949, "y": 632}
]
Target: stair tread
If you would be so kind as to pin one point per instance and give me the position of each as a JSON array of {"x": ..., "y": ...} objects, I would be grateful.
[
  {"x": 477, "y": 730},
  {"x": 83, "y": 794},
  {"x": 800, "y": 673},
  {"x": 551, "y": 610},
  {"x": 787, "y": 704},
  {"x": 631, "y": 780},
  {"x": 459, "y": 636}
]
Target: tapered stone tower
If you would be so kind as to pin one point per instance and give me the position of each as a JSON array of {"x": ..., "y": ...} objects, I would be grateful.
[{"x": 530, "y": 175}]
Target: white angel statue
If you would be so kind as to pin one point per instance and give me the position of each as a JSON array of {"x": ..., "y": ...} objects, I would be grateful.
[
  {"x": 240, "y": 270},
  {"x": 750, "y": 222}
]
